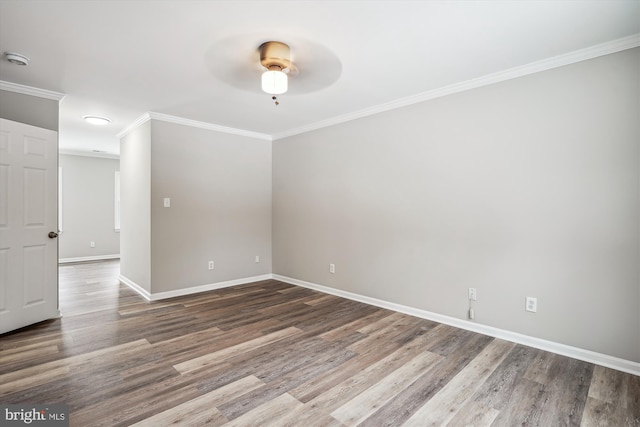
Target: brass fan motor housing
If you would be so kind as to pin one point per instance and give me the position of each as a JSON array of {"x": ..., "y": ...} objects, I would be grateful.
[{"x": 275, "y": 55}]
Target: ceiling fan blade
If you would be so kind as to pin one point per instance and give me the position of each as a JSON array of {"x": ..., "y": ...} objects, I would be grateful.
[{"x": 316, "y": 68}]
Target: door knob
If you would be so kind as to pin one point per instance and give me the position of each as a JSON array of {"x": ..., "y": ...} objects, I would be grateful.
[{"x": 53, "y": 234}]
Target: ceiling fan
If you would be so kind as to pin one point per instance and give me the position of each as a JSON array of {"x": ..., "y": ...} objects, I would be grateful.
[{"x": 297, "y": 66}]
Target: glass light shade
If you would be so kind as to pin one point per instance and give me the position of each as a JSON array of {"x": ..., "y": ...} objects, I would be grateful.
[
  {"x": 97, "y": 120},
  {"x": 274, "y": 82}
]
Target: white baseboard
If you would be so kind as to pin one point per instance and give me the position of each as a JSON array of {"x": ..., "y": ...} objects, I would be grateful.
[
  {"x": 209, "y": 287},
  {"x": 553, "y": 347},
  {"x": 137, "y": 288},
  {"x": 88, "y": 258},
  {"x": 192, "y": 290}
]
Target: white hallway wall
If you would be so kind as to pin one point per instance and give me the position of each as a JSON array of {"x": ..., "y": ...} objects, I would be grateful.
[
  {"x": 135, "y": 209},
  {"x": 88, "y": 212},
  {"x": 529, "y": 187}
]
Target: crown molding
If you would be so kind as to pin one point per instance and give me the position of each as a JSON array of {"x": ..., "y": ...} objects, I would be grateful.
[
  {"x": 136, "y": 123},
  {"x": 191, "y": 123},
  {"x": 31, "y": 91},
  {"x": 614, "y": 46},
  {"x": 81, "y": 153},
  {"x": 209, "y": 126}
]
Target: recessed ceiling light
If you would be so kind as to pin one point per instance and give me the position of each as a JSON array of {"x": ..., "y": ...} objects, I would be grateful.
[
  {"x": 97, "y": 120},
  {"x": 16, "y": 58}
]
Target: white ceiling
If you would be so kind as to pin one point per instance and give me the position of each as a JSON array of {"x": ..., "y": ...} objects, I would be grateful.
[{"x": 196, "y": 59}]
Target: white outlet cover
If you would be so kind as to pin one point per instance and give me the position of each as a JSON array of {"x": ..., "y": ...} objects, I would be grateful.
[{"x": 531, "y": 304}]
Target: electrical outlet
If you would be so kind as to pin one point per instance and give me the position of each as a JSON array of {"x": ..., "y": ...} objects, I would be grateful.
[
  {"x": 472, "y": 294},
  {"x": 332, "y": 268},
  {"x": 211, "y": 265},
  {"x": 257, "y": 258},
  {"x": 532, "y": 304},
  {"x": 92, "y": 244}
]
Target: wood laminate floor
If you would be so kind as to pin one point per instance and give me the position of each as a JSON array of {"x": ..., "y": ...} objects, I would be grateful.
[{"x": 272, "y": 354}]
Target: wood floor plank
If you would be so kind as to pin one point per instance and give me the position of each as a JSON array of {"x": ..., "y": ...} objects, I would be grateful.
[
  {"x": 608, "y": 386},
  {"x": 140, "y": 403},
  {"x": 208, "y": 298},
  {"x": 374, "y": 363},
  {"x": 81, "y": 390},
  {"x": 271, "y": 353},
  {"x": 383, "y": 322},
  {"x": 360, "y": 381},
  {"x": 445, "y": 404},
  {"x": 598, "y": 413},
  {"x": 220, "y": 355},
  {"x": 321, "y": 299},
  {"x": 540, "y": 369},
  {"x": 16, "y": 380},
  {"x": 497, "y": 390},
  {"x": 283, "y": 383},
  {"x": 24, "y": 347},
  {"x": 267, "y": 414},
  {"x": 402, "y": 406},
  {"x": 526, "y": 404},
  {"x": 474, "y": 414},
  {"x": 326, "y": 316},
  {"x": 568, "y": 392},
  {"x": 35, "y": 378},
  {"x": 388, "y": 331},
  {"x": 13, "y": 356},
  {"x": 633, "y": 398},
  {"x": 276, "y": 363},
  {"x": 305, "y": 415},
  {"x": 32, "y": 337},
  {"x": 340, "y": 332},
  {"x": 138, "y": 307},
  {"x": 366, "y": 403},
  {"x": 610, "y": 401},
  {"x": 202, "y": 410}
]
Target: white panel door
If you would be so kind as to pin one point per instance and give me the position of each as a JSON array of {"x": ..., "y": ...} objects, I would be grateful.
[{"x": 28, "y": 214}]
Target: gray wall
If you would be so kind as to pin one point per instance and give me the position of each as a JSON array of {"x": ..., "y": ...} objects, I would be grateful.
[
  {"x": 135, "y": 206},
  {"x": 88, "y": 212},
  {"x": 32, "y": 110},
  {"x": 529, "y": 187},
  {"x": 220, "y": 190}
]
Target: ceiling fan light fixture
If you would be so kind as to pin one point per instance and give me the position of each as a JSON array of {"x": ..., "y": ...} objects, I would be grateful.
[
  {"x": 274, "y": 82},
  {"x": 276, "y": 58}
]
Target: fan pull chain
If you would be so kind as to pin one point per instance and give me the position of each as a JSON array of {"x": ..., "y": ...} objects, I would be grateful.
[{"x": 275, "y": 100}]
